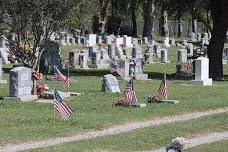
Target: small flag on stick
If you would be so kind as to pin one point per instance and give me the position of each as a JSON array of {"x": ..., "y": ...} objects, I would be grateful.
[
  {"x": 58, "y": 75},
  {"x": 116, "y": 69},
  {"x": 163, "y": 89},
  {"x": 129, "y": 92},
  {"x": 61, "y": 106}
]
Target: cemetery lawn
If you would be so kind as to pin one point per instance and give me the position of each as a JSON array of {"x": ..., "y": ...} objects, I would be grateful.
[
  {"x": 221, "y": 146},
  {"x": 148, "y": 138},
  {"x": 21, "y": 122}
]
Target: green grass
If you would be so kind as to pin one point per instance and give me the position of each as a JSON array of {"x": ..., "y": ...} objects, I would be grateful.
[
  {"x": 148, "y": 138},
  {"x": 21, "y": 122},
  {"x": 221, "y": 146}
]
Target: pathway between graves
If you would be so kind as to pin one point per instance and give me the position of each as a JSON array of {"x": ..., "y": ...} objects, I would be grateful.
[
  {"x": 128, "y": 127},
  {"x": 201, "y": 140}
]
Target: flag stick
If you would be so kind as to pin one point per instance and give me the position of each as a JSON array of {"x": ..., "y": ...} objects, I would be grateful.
[
  {"x": 68, "y": 76},
  {"x": 54, "y": 112}
]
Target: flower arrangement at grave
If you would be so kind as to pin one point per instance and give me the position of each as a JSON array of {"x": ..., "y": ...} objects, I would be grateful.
[
  {"x": 177, "y": 145},
  {"x": 122, "y": 45},
  {"x": 40, "y": 88}
]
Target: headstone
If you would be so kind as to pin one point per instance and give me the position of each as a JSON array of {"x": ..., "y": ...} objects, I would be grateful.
[
  {"x": 202, "y": 72},
  {"x": 112, "y": 50},
  {"x": 164, "y": 56},
  {"x": 157, "y": 50},
  {"x": 78, "y": 40},
  {"x": 74, "y": 59},
  {"x": 190, "y": 48},
  {"x": 145, "y": 40},
  {"x": 135, "y": 41},
  {"x": 92, "y": 39},
  {"x": 101, "y": 59},
  {"x": 119, "y": 41},
  {"x": 1, "y": 81},
  {"x": 83, "y": 40},
  {"x": 128, "y": 52},
  {"x": 128, "y": 41},
  {"x": 73, "y": 41},
  {"x": 99, "y": 39},
  {"x": 182, "y": 55},
  {"x": 172, "y": 42},
  {"x": 205, "y": 40},
  {"x": 137, "y": 52},
  {"x": 67, "y": 39},
  {"x": 193, "y": 37},
  {"x": 109, "y": 40},
  {"x": 166, "y": 42},
  {"x": 91, "y": 50},
  {"x": 149, "y": 54},
  {"x": 199, "y": 37},
  {"x": 83, "y": 58},
  {"x": 110, "y": 84},
  {"x": 21, "y": 85},
  {"x": 124, "y": 64},
  {"x": 120, "y": 53},
  {"x": 138, "y": 71}
]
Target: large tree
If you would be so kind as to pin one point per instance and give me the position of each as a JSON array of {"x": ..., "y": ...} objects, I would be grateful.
[
  {"x": 28, "y": 25},
  {"x": 100, "y": 19},
  {"x": 219, "y": 13},
  {"x": 149, "y": 18}
]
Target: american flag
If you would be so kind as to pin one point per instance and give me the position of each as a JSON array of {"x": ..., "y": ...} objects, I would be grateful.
[
  {"x": 116, "y": 69},
  {"x": 58, "y": 75},
  {"x": 129, "y": 92},
  {"x": 67, "y": 84},
  {"x": 163, "y": 89},
  {"x": 67, "y": 81},
  {"x": 61, "y": 106}
]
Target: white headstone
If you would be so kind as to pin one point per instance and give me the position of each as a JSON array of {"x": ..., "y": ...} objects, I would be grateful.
[
  {"x": 202, "y": 72},
  {"x": 128, "y": 41},
  {"x": 166, "y": 42},
  {"x": 92, "y": 39},
  {"x": 182, "y": 55},
  {"x": 119, "y": 41}
]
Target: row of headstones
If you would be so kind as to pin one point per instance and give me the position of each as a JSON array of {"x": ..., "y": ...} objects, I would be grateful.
[
  {"x": 93, "y": 40},
  {"x": 110, "y": 83}
]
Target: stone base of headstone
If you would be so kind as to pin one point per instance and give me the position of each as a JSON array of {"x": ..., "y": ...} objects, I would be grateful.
[
  {"x": 170, "y": 101},
  {"x": 141, "y": 77},
  {"x": 25, "y": 98},
  {"x": 165, "y": 62},
  {"x": 3, "y": 81},
  {"x": 207, "y": 82},
  {"x": 137, "y": 105},
  {"x": 102, "y": 66},
  {"x": 50, "y": 94}
]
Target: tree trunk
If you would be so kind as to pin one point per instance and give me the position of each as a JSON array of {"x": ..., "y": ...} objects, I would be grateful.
[
  {"x": 148, "y": 29},
  {"x": 133, "y": 18},
  {"x": 180, "y": 22},
  {"x": 100, "y": 19},
  {"x": 194, "y": 26},
  {"x": 164, "y": 29},
  {"x": 215, "y": 50}
]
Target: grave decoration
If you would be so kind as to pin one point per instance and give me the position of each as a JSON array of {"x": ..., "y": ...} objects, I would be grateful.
[
  {"x": 130, "y": 98},
  {"x": 177, "y": 145},
  {"x": 162, "y": 93}
]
